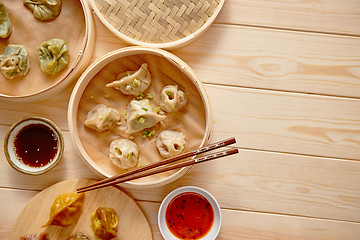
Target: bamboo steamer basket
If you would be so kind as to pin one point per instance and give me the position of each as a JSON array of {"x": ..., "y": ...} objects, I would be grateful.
[
  {"x": 74, "y": 24},
  {"x": 166, "y": 24},
  {"x": 194, "y": 119}
]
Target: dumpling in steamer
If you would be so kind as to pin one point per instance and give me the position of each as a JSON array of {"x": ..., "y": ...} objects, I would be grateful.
[
  {"x": 66, "y": 209},
  {"x": 132, "y": 82},
  {"x": 14, "y": 62},
  {"x": 124, "y": 153},
  {"x": 142, "y": 114},
  {"x": 171, "y": 143},
  {"x": 102, "y": 117},
  {"x": 171, "y": 99},
  {"x": 5, "y": 24},
  {"x": 44, "y": 9},
  {"x": 53, "y": 56}
]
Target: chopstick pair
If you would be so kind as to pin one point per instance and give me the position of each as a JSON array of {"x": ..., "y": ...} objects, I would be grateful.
[{"x": 154, "y": 168}]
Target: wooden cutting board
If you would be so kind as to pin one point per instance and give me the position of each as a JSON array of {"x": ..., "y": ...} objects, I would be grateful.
[{"x": 132, "y": 221}]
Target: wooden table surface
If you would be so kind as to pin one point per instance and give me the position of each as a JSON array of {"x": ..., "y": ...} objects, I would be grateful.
[{"x": 283, "y": 77}]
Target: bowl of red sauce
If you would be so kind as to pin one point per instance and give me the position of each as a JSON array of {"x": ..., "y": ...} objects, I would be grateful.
[
  {"x": 189, "y": 213},
  {"x": 33, "y": 145}
]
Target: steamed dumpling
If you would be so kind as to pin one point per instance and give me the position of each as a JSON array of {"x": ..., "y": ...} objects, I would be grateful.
[
  {"x": 142, "y": 114},
  {"x": 53, "y": 56},
  {"x": 44, "y": 9},
  {"x": 171, "y": 143},
  {"x": 124, "y": 153},
  {"x": 66, "y": 209},
  {"x": 5, "y": 24},
  {"x": 14, "y": 62},
  {"x": 102, "y": 117},
  {"x": 132, "y": 82},
  {"x": 171, "y": 98}
]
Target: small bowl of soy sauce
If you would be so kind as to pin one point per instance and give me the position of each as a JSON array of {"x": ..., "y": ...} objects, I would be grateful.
[
  {"x": 189, "y": 213},
  {"x": 33, "y": 145}
]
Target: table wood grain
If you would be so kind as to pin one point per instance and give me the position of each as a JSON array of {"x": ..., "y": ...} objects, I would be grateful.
[{"x": 283, "y": 77}]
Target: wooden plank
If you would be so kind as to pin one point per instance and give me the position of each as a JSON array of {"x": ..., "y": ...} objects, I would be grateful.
[
  {"x": 254, "y": 226},
  {"x": 276, "y": 59},
  {"x": 267, "y": 59},
  {"x": 236, "y": 224},
  {"x": 295, "y": 123},
  {"x": 251, "y": 180},
  {"x": 330, "y": 16},
  {"x": 278, "y": 183}
]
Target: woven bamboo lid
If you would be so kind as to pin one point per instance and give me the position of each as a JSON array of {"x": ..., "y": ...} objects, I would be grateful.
[{"x": 157, "y": 23}]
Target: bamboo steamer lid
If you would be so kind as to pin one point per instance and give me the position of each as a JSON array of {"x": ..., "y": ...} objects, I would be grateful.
[
  {"x": 164, "y": 24},
  {"x": 74, "y": 24}
]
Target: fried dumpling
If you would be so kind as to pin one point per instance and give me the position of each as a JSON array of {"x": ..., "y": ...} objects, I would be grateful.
[
  {"x": 171, "y": 98},
  {"x": 66, "y": 209},
  {"x": 132, "y": 82},
  {"x": 44, "y": 9},
  {"x": 102, "y": 117},
  {"x": 14, "y": 62},
  {"x": 104, "y": 223},
  {"x": 142, "y": 114},
  {"x": 171, "y": 143},
  {"x": 124, "y": 153},
  {"x": 53, "y": 56},
  {"x": 5, "y": 24}
]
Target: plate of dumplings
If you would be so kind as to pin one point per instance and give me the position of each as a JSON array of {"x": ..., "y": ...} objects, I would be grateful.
[
  {"x": 44, "y": 46},
  {"x": 136, "y": 106}
]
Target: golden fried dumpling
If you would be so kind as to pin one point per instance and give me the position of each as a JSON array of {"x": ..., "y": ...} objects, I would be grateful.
[
  {"x": 66, "y": 209},
  {"x": 44, "y": 9},
  {"x": 104, "y": 223},
  {"x": 132, "y": 82},
  {"x": 5, "y": 24},
  {"x": 53, "y": 56},
  {"x": 14, "y": 62}
]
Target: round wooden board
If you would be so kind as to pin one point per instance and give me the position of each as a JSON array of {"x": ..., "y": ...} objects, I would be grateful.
[
  {"x": 132, "y": 221},
  {"x": 74, "y": 24}
]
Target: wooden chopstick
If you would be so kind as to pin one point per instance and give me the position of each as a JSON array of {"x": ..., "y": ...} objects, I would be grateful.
[
  {"x": 207, "y": 148},
  {"x": 163, "y": 169}
]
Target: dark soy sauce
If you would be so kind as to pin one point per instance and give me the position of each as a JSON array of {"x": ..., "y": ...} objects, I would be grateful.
[{"x": 36, "y": 145}]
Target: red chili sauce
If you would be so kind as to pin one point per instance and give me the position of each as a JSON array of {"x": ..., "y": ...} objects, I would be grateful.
[
  {"x": 189, "y": 215},
  {"x": 36, "y": 145}
]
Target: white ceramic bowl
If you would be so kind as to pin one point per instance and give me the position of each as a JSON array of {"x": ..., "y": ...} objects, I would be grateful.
[
  {"x": 215, "y": 229},
  {"x": 10, "y": 151}
]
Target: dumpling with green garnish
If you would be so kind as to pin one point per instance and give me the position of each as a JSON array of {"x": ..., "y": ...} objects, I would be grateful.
[
  {"x": 14, "y": 62},
  {"x": 44, "y": 9},
  {"x": 124, "y": 153},
  {"x": 172, "y": 98},
  {"x": 171, "y": 143},
  {"x": 5, "y": 24},
  {"x": 132, "y": 82},
  {"x": 142, "y": 114},
  {"x": 53, "y": 56},
  {"x": 102, "y": 117}
]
